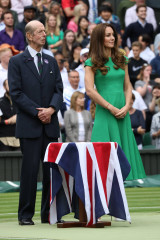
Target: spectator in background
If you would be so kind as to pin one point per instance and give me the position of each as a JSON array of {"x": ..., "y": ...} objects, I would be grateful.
[
  {"x": 5, "y": 55},
  {"x": 41, "y": 10},
  {"x": 105, "y": 13},
  {"x": 131, "y": 15},
  {"x": 80, "y": 69},
  {"x": 114, "y": 18},
  {"x": 156, "y": 43},
  {"x": 54, "y": 35},
  {"x": 144, "y": 87},
  {"x": 74, "y": 58},
  {"x": 29, "y": 15},
  {"x": 2, "y": 25},
  {"x": 78, "y": 122},
  {"x": 68, "y": 7},
  {"x": 6, "y": 5},
  {"x": 153, "y": 106},
  {"x": 8, "y": 142},
  {"x": 86, "y": 41},
  {"x": 139, "y": 103},
  {"x": 11, "y": 35},
  {"x": 155, "y": 128},
  {"x": 79, "y": 10},
  {"x": 121, "y": 10},
  {"x": 135, "y": 29},
  {"x": 46, "y": 3},
  {"x": 74, "y": 86},
  {"x": 64, "y": 74},
  {"x": 67, "y": 43},
  {"x": 135, "y": 63},
  {"x": 82, "y": 32},
  {"x": 144, "y": 84},
  {"x": 155, "y": 63},
  {"x": 92, "y": 10},
  {"x": 55, "y": 9},
  {"x": 146, "y": 53},
  {"x": 137, "y": 123},
  {"x": 18, "y": 7}
]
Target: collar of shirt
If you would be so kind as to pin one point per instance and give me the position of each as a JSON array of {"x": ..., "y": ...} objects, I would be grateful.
[
  {"x": 142, "y": 24},
  {"x": 33, "y": 52},
  {"x": 103, "y": 21}
]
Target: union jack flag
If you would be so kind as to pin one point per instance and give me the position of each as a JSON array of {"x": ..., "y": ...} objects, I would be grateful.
[{"x": 95, "y": 171}]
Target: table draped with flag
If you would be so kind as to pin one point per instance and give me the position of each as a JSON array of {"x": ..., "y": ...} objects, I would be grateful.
[{"x": 95, "y": 172}]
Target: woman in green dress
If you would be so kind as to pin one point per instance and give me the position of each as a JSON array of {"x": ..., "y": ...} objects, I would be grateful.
[
  {"x": 54, "y": 34},
  {"x": 107, "y": 68}
]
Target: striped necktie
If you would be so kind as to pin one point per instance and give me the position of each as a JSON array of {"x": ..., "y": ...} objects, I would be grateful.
[{"x": 39, "y": 63}]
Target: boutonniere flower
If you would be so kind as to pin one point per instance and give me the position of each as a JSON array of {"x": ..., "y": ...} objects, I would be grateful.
[{"x": 46, "y": 61}]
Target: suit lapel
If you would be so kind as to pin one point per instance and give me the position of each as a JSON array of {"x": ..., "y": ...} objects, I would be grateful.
[{"x": 29, "y": 61}]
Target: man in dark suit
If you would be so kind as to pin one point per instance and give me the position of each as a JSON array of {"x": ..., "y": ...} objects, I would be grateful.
[
  {"x": 37, "y": 91},
  {"x": 135, "y": 29}
]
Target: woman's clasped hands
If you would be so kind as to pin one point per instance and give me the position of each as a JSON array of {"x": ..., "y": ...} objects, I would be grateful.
[{"x": 118, "y": 113}]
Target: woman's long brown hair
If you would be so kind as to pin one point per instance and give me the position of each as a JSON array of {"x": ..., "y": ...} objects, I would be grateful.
[{"x": 98, "y": 51}]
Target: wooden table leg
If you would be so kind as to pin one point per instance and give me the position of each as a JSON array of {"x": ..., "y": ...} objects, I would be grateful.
[{"x": 82, "y": 220}]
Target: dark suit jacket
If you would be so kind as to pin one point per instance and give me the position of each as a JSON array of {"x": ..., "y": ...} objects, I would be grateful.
[
  {"x": 30, "y": 91},
  {"x": 134, "y": 30}
]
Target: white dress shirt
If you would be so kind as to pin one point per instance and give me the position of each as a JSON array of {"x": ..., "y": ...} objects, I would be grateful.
[
  {"x": 33, "y": 53},
  {"x": 2, "y": 26},
  {"x": 139, "y": 103},
  {"x": 156, "y": 43},
  {"x": 131, "y": 16},
  {"x": 3, "y": 76},
  {"x": 64, "y": 76},
  {"x": 81, "y": 129},
  {"x": 80, "y": 70}
]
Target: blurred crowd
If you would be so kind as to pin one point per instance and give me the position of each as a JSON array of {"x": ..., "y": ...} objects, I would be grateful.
[{"x": 69, "y": 25}]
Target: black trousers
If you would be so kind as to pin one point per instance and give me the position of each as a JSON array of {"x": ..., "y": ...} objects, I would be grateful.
[{"x": 33, "y": 150}]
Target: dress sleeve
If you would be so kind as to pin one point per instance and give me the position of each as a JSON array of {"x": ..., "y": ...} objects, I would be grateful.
[{"x": 88, "y": 62}]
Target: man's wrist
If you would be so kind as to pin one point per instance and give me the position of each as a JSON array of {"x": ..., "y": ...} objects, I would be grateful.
[{"x": 52, "y": 110}]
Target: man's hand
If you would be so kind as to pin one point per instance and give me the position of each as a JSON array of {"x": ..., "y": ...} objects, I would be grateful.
[
  {"x": 11, "y": 120},
  {"x": 45, "y": 114},
  {"x": 156, "y": 134},
  {"x": 141, "y": 130}
]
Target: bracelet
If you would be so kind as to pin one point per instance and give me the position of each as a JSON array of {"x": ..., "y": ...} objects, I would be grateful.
[
  {"x": 6, "y": 122},
  {"x": 107, "y": 105}
]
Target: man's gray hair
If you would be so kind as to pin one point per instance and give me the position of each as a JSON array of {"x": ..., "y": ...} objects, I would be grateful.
[{"x": 30, "y": 28}]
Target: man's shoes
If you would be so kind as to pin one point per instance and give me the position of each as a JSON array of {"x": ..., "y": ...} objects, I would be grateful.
[
  {"x": 60, "y": 221},
  {"x": 26, "y": 222}
]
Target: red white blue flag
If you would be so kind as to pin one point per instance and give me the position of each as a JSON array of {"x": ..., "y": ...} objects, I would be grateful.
[{"x": 95, "y": 171}]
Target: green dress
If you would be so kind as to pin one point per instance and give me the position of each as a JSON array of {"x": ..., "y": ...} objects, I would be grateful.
[{"x": 108, "y": 128}]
